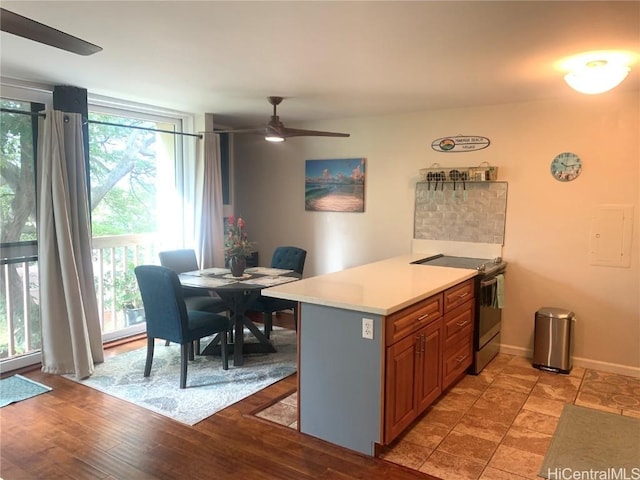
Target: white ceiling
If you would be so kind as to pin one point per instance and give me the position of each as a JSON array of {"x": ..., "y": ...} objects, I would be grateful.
[{"x": 329, "y": 59}]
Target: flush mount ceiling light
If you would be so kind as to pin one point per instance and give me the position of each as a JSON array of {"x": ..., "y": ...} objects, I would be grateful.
[{"x": 597, "y": 76}]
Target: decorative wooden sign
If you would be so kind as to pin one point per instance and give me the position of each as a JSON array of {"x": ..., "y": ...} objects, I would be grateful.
[{"x": 460, "y": 143}]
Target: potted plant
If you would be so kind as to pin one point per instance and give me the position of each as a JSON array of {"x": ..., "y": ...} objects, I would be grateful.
[
  {"x": 236, "y": 246},
  {"x": 129, "y": 298}
]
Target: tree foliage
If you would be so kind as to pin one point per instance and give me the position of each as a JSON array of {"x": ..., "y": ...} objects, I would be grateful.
[
  {"x": 123, "y": 171},
  {"x": 17, "y": 178}
]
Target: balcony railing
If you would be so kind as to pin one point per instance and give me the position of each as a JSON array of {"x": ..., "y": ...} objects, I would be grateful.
[
  {"x": 119, "y": 304},
  {"x": 19, "y": 306},
  {"x": 114, "y": 259}
]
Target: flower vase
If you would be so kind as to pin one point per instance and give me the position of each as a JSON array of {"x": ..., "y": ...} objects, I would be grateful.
[{"x": 237, "y": 264}]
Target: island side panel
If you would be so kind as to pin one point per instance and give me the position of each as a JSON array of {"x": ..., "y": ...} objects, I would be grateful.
[{"x": 340, "y": 377}]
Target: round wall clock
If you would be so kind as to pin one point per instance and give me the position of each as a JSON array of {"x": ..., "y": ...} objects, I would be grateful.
[{"x": 566, "y": 167}]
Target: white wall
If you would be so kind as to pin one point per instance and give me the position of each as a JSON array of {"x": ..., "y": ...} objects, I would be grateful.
[{"x": 548, "y": 222}]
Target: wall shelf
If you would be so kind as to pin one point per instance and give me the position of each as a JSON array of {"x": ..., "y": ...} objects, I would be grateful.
[
  {"x": 475, "y": 182},
  {"x": 481, "y": 173}
]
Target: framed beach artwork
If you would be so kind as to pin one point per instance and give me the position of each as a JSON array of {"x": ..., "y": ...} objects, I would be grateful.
[{"x": 335, "y": 185}]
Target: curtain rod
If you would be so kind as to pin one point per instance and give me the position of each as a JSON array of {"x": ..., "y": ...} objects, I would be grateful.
[
  {"x": 37, "y": 114},
  {"x": 22, "y": 112},
  {"x": 144, "y": 128}
]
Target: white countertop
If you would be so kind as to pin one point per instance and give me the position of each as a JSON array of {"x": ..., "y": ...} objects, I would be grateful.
[{"x": 382, "y": 287}]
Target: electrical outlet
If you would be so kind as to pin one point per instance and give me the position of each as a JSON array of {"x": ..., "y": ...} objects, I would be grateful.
[{"x": 367, "y": 328}]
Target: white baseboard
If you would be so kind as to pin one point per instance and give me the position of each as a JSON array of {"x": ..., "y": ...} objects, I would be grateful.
[{"x": 578, "y": 362}]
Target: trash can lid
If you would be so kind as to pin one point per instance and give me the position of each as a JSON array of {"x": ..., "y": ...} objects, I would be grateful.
[{"x": 554, "y": 312}]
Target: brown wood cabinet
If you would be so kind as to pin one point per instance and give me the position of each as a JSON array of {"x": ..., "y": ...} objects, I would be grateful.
[
  {"x": 413, "y": 377},
  {"x": 457, "y": 338},
  {"x": 413, "y": 356},
  {"x": 428, "y": 345},
  {"x": 458, "y": 295}
]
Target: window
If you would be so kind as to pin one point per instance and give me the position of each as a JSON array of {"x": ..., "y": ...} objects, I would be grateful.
[
  {"x": 19, "y": 282},
  {"x": 137, "y": 205}
]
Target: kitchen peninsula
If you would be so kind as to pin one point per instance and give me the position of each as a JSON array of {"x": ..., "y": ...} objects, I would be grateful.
[{"x": 377, "y": 344}]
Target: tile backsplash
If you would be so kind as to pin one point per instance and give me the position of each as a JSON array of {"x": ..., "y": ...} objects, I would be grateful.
[{"x": 475, "y": 214}]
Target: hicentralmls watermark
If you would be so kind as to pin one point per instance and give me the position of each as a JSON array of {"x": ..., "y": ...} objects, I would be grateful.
[{"x": 591, "y": 474}]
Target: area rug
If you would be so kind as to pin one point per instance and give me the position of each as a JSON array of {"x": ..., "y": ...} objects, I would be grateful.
[
  {"x": 16, "y": 388},
  {"x": 588, "y": 440},
  {"x": 209, "y": 387}
]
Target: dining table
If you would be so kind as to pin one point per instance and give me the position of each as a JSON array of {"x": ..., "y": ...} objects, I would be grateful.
[{"x": 239, "y": 293}]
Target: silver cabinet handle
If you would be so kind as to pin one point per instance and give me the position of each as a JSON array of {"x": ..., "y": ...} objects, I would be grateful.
[
  {"x": 462, "y": 324},
  {"x": 462, "y": 295},
  {"x": 422, "y": 317}
]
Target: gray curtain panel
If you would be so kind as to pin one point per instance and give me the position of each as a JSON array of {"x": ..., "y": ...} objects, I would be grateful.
[
  {"x": 210, "y": 216},
  {"x": 71, "y": 336}
]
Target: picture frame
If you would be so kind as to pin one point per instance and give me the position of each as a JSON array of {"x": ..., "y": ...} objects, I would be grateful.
[{"x": 335, "y": 185}]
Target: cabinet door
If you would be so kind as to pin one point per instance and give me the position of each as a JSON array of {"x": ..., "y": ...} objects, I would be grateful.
[
  {"x": 457, "y": 352},
  {"x": 429, "y": 385},
  {"x": 402, "y": 361},
  {"x": 456, "y": 296},
  {"x": 458, "y": 325},
  {"x": 456, "y": 362}
]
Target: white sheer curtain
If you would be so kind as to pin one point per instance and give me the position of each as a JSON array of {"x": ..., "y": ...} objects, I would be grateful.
[
  {"x": 209, "y": 208},
  {"x": 71, "y": 337}
]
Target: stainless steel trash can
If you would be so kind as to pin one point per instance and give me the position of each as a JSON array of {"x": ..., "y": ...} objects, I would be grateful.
[{"x": 553, "y": 339}]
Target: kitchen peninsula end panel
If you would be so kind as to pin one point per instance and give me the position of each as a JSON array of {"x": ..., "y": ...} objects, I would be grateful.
[{"x": 339, "y": 377}]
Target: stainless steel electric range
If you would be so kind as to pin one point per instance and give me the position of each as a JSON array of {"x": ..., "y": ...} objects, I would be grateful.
[{"x": 488, "y": 316}]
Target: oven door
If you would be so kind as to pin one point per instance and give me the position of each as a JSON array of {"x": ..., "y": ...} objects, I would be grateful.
[{"x": 490, "y": 316}]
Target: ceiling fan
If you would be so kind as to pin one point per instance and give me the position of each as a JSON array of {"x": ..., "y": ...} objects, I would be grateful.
[
  {"x": 275, "y": 131},
  {"x": 39, "y": 32}
]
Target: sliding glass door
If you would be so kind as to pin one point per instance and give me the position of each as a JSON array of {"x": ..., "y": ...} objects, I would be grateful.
[
  {"x": 20, "y": 337},
  {"x": 140, "y": 203},
  {"x": 136, "y": 206}
]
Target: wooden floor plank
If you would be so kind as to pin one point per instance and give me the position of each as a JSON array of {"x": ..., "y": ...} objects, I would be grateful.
[{"x": 78, "y": 432}]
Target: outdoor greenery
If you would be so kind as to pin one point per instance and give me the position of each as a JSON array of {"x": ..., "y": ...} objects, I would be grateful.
[
  {"x": 123, "y": 171},
  {"x": 17, "y": 177},
  {"x": 17, "y": 223}
]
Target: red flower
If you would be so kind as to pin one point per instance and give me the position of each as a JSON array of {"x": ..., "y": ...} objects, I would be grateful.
[{"x": 236, "y": 243}]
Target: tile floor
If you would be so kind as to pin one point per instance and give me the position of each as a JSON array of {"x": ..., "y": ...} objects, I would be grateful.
[{"x": 497, "y": 425}]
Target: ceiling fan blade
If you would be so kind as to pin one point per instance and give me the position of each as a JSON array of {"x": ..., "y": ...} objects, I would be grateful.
[
  {"x": 39, "y": 32},
  {"x": 239, "y": 130},
  {"x": 275, "y": 128},
  {"x": 296, "y": 132}
]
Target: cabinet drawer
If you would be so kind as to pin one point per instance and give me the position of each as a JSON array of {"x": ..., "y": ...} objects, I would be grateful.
[
  {"x": 457, "y": 295},
  {"x": 458, "y": 324},
  {"x": 410, "y": 319},
  {"x": 456, "y": 360}
]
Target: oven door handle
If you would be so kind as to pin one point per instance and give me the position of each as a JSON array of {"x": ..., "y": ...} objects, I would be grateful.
[{"x": 489, "y": 282}]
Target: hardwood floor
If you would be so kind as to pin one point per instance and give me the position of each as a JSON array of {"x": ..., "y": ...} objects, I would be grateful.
[{"x": 75, "y": 432}]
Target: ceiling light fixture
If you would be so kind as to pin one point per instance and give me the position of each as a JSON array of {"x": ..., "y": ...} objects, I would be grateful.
[
  {"x": 597, "y": 76},
  {"x": 274, "y": 138}
]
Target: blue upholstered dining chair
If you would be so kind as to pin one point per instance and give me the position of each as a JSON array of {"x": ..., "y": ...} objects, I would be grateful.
[
  {"x": 184, "y": 260},
  {"x": 168, "y": 318},
  {"x": 288, "y": 258}
]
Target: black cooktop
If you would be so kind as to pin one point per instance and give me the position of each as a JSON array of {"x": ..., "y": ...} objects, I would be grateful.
[{"x": 480, "y": 264}]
